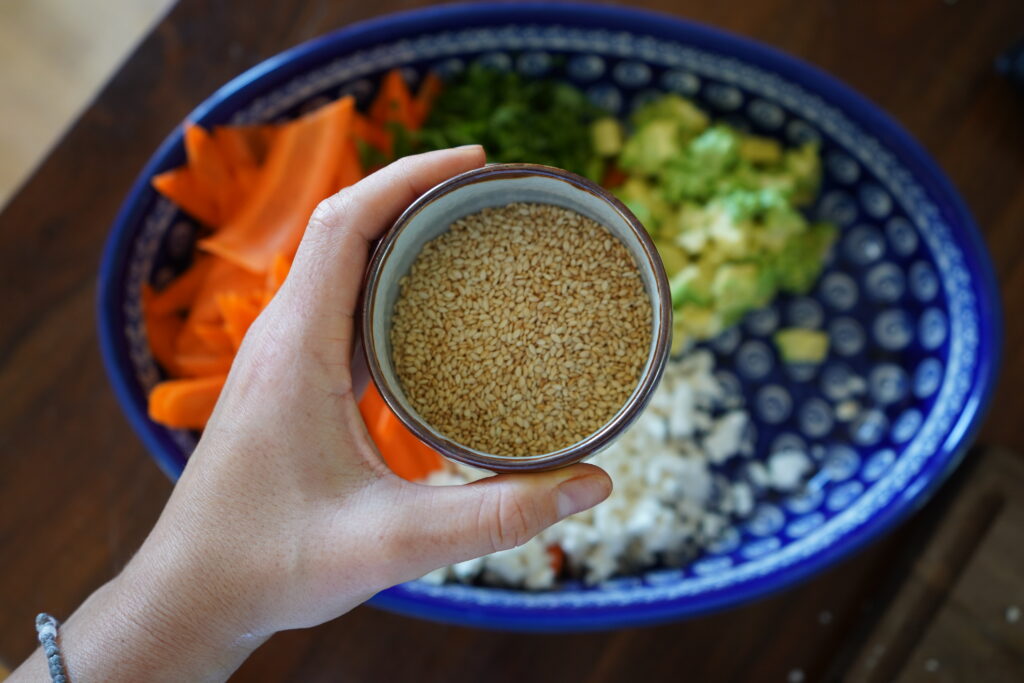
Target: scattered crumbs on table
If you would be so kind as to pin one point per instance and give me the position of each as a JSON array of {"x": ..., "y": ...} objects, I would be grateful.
[
  {"x": 824, "y": 617},
  {"x": 795, "y": 676},
  {"x": 931, "y": 665},
  {"x": 1012, "y": 614}
]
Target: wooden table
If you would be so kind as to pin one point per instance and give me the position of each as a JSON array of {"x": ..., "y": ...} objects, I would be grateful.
[{"x": 78, "y": 492}]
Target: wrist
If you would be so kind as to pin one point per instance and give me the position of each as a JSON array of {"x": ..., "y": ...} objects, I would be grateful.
[{"x": 152, "y": 625}]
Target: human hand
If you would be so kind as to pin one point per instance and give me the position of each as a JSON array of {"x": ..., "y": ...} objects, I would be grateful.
[{"x": 286, "y": 516}]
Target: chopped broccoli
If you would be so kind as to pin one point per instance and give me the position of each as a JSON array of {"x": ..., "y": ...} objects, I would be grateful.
[{"x": 690, "y": 118}]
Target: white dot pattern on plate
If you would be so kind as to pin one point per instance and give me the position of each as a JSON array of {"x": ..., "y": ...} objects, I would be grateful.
[
  {"x": 680, "y": 82},
  {"x": 839, "y": 291},
  {"x": 841, "y": 462},
  {"x": 760, "y": 548},
  {"x": 893, "y": 330},
  {"x": 878, "y": 464},
  {"x": 932, "y": 328},
  {"x": 801, "y": 526},
  {"x": 927, "y": 377},
  {"x": 798, "y": 132},
  {"x": 837, "y": 207},
  {"x": 534, "y": 63},
  {"x": 724, "y": 98},
  {"x": 864, "y": 244},
  {"x": 876, "y": 201},
  {"x": 868, "y": 428},
  {"x": 924, "y": 283},
  {"x": 805, "y": 312},
  {"x": 766, "y": 520},
  {"x": 631, "y": 74},
  {"x": 773, "y": 404},
  {"x": 847, "y": 336},
  {"x": 754, "y": 360},
  {"x": 788, "y": 441},
  {"x": 815, "y": 417},
  {"x": 885, "y": 282},
  {"x": 805, "y": 501},
  {"x": 844, "y": 494},
  {"x": 763, "y": 321},
  {"x": 888, "y": 383},
  {"x": 902, "y": 235},
  {"x": 906, "y": 425},
  {"x": 585, "y": 68},
  {"x": 498, "y": 61},
  {"x": 842, "y": 168}
]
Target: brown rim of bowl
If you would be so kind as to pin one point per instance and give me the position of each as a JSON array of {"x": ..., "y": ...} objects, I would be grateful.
[{"x": 594, "y": 442}]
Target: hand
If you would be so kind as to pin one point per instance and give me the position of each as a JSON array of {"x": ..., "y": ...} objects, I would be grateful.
[{"x": 286, "y": 516}]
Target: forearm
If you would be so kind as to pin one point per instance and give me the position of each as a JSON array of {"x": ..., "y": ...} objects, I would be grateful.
[{"x": 138, "y": 627}]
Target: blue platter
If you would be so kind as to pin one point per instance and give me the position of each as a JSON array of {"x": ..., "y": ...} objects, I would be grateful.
[{"x": 909, "y": 298}]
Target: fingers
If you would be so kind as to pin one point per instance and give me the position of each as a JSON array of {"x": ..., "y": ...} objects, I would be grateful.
[
  {"x": 438, "y": 526},
  {"x": 328, "y": 269}
]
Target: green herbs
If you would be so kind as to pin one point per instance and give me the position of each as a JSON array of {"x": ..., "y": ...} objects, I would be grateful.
[{"x": 536, "y": 121}]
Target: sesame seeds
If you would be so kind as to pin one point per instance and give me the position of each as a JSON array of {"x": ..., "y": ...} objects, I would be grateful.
[{"x": 521, "y": 330}]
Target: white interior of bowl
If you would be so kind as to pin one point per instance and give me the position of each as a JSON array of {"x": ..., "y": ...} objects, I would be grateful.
[{"x": 435, "y": 217}]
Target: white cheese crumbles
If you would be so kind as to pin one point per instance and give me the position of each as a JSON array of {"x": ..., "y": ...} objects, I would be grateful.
[{"x": 671, "y": 498}]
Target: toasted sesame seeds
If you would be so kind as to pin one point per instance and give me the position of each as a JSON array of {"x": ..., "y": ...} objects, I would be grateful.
[{"x": 521, "y": 330}]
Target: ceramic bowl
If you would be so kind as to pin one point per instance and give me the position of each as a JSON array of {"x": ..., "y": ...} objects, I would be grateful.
[
  {"x": 909, "y": 299},
  {"x": 491, "y": 186}
]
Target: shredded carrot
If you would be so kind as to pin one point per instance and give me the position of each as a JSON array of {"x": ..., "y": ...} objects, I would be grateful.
[
  {"x": 185, "y": 403},
  {"x": 256, "y": 187},
  {"x": 300, "y": 171},
  {"x": 212, "y": 171},
  {"x": 239, "y": 311},
  {"x": 393, "y": 102},
  {"x": 428, "y": 92},
  {"x": 181, "y": 187},
  {"x": 179, "y": 294},
  {"x": 407, "y": 456},
  {"x": 372, "y": 133}
]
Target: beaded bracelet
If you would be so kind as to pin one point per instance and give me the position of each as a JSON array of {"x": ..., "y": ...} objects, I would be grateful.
[{"x": 46, "y": 627}]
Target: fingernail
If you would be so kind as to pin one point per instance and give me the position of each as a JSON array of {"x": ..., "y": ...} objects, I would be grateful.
[
  {"x": 580, "y": 493},
  {"x": 473, "y": 146}
]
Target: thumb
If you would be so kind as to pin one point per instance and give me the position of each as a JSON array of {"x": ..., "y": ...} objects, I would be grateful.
[{"x": 442, "y": 525}]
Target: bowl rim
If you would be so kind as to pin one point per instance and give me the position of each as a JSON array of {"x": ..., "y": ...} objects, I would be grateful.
[
  {"x": 298, "y": 59},
  {"x": 654, "y": 365}
]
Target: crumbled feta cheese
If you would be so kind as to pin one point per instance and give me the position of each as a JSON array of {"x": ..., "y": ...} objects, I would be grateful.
[
  {"x": 667, "y": 501},
  {"x": 786, "y": 469}
]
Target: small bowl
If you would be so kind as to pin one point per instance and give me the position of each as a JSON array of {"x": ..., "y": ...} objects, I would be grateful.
[{"x": 491, "y": 186}]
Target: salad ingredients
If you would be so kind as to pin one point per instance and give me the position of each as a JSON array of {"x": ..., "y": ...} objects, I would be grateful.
[
  {"x": 253, "y": 189},
  {"x": 539, "y": 121},
  {"x": 680, "y": 486},
  {"x": 724, "y": 209},
  {"x": 521, "y": 330}
]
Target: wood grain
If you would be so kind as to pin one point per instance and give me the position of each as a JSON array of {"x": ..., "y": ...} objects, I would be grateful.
[{"x": 78, "y": 493}]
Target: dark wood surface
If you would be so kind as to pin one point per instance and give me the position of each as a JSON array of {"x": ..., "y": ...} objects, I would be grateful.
[{"x": 78, "y": 492}]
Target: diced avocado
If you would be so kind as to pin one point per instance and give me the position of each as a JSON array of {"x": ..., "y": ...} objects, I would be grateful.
[
  {"x": 606, "y": 134},
  {"x": 642, "y": 199},
  {"x": 692, "y": 283},
  {"x": 687, "y": 227},
  {"x": 801, "y": 346},
  {"x": 737, "y": 288},
  {"x": 700, "y": 321},
  {"x": 758, "y": 150},
  {"x": 715, "y": 150},
  {"x": 673, "y": 108},
  {"x": 673, "y": 258},
  {"x": 799, "y": 263},
  {"x": 804, "y": 166},
  {"x": 650, "y": 146}
]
